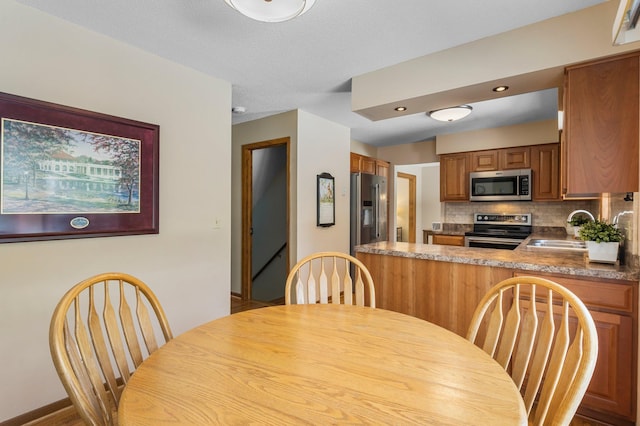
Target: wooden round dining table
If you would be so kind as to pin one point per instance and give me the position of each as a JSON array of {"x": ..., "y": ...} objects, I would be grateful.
[{"x": 320, "y": 364}]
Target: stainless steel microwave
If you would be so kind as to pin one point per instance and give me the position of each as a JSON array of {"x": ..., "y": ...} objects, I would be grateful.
[{"x": 502, "y": 185}]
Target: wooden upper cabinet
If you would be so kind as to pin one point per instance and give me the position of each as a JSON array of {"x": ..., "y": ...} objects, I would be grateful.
[
  {"x": 356, "y": 160},
  {"x": 362, "y": 164},
  {"x": 382, "y": 168},
  {"x": 600, "y": 151},
  {"x": 482, "y": 161},
  {"x": 372, "y": 166},
  {"x": 515, "y": 158},
  {"x": 454, "y": 177},
  {"x": 545, "y": 168}
]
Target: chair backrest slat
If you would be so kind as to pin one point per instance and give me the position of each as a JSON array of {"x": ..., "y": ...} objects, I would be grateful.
[
  {"x": 100, "y": 346},
  {"x": 146, "y": 327},
  {"x": 323, "y": 283},
  {"x": 551, "y": 360},
  {"x": 85, "y": 345},
  {"x": 112, "y": 325},
  {"x": 335, "y": 280},
  {"x": 526, "y": 342},
  {"x": 347, "y": 283}
]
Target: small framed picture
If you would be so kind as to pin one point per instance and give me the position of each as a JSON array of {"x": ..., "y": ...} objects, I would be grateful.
[{"x": 326, "y": 200}]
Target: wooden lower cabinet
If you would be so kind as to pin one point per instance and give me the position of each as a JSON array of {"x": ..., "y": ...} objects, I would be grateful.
[
  {"x": 611, "y": 395},
  {"x": 443, "y": 293}
]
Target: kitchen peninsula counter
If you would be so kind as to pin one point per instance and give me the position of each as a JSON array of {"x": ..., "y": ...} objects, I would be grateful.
[
  {"x": 444, "y": 284},
  {"x": 521, "y": 259}
]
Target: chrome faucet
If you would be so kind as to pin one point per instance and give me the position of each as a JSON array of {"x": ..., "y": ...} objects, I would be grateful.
[
  {"x": 573, "y": 213},
  {"x": 616, "y": 218}
]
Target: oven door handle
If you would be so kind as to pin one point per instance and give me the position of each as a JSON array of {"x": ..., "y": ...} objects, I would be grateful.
[{"x": 491, "y": 240}]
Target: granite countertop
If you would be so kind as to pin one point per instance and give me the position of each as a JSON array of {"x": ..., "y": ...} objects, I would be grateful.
[{"x": 523, "y": 258}]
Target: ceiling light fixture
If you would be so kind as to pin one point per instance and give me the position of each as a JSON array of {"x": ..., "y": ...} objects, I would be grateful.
[
  {"x": 451, "y": 113},
  {"x": 269, "y": 10},
  {"x": 400, "y": 109},
  {"x": 500, "y": 89}
]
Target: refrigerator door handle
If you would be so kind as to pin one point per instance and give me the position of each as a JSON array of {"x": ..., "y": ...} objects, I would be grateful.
[{"x": 376, "y": 213}]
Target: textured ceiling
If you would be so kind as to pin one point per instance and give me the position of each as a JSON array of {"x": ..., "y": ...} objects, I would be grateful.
[{"x": 308, "y": 62}]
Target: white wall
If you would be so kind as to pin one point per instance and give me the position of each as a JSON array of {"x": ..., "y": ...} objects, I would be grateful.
[{"x": 187, "y": 264}]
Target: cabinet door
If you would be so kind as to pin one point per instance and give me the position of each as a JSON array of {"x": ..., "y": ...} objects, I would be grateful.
[
  {"x": 356, "y": 160},
  {"x": 612, "y": 387},
  {"x": 382, "y": 168},
  {"x": 448, "y": 240},
  {"x": 515, "y": 158},
  {"x": 482, "y": 161},
  {"x": 545, "y": 167},
  {"x": 613, "y": 306},
  {"x": 601, "y": 126},
  {"x": 454, "y": 177}
]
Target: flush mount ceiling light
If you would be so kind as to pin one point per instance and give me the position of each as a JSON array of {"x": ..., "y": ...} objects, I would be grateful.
[
  {"x": 271, "y": 10},
  {"x": 451, "y": 113}
]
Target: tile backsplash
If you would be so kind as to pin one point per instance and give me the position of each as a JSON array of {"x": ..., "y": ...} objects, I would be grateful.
[{"x": 544, "y": 214}]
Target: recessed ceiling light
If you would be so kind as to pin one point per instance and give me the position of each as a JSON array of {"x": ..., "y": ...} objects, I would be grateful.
[
  {"x": 451, "y": 113},
  {"x": 400, "y": 109},
  {"x": 500, "y": 88}
]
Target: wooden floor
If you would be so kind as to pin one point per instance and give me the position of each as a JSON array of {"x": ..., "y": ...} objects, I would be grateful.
[
  {"x": 238, "y": 305},
  {"x": 67, "y": 417}
]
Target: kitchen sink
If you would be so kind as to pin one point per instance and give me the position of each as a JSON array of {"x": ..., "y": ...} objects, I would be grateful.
[{"x": 558, "y": 244}]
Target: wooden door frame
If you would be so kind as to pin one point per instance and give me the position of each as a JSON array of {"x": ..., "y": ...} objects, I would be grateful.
[
  {"x": 412, "y": 203},
  {"x": 247, "y": 208}
]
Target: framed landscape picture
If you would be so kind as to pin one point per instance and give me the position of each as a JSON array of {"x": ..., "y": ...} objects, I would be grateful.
[{"x": 72, "y": 173}]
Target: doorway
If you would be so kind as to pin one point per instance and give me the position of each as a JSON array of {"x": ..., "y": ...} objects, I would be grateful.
[
  {"x": 405, "y": 207},
  {"x": 265, "y": 220}
]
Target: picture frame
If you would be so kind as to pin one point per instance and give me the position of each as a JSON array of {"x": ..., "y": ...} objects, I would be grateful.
[
  {"x": 326, "y": 206},
  {"x": 71, "y": 173}
]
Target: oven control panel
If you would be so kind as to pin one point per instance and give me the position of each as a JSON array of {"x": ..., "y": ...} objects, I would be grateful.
[{"x": 502, "y": 219}]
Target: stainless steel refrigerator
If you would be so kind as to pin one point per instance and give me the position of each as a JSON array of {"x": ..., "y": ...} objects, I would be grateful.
[{"x": 369, "y": 209}]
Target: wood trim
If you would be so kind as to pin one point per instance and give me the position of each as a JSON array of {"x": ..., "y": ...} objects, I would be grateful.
[
  {"x": 247, "y": 172},
  {"x": 41, "y": 415},
  {"x": 412, "y": 204}
]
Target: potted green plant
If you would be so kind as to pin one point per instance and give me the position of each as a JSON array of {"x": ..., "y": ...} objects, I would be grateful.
[
  {"x": 603, "y": 240},
  {"x": 575, "y": 223}
]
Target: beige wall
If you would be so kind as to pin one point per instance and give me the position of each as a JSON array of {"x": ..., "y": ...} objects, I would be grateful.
[
  {"x": 527, "y": 59},
  {"x": 265, "y": 129},
  {"x": 533, "y": 133},
  {"x": 323, "y": 147},
  {"x": 317, "y": 146},
  {"x": 187, "y": 264},
  {"x": 410, "y": 153},
  {"x": 364, "y": 149}
]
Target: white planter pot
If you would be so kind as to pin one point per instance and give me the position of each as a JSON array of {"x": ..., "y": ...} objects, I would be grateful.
[
  {"x": 602, "y": 252},
  {"x": 571, "y": 230}
]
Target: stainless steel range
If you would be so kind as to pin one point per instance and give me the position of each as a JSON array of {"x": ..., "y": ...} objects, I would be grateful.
[{"x": 501, "y": 231}]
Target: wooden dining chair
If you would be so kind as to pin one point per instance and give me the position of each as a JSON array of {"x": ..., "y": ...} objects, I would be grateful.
[
  {"x": 95, "y": 340},
  {"x": 551, "y": 358},
  {"x": 330, "y": 277}
]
